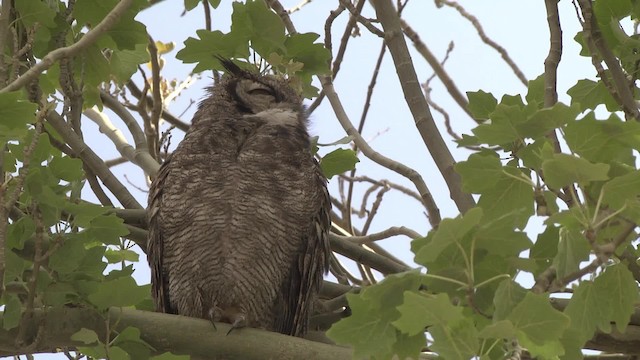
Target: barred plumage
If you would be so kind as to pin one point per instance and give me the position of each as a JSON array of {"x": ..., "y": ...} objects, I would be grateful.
[{"x": 239, "y": 213}]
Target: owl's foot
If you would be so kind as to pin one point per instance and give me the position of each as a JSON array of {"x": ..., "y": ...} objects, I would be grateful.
[
  {"x": 237, "y": 320},
  {"x": 215, "y": 315}
]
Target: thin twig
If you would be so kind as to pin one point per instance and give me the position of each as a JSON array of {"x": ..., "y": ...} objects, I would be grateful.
[
  {"x": 365, "y": 22},
  {"x": 363, "y": 117},
  {"x": 409, "y": 173},
  {"x": 476, "y": 24},
  {"x": 442, "y": 74}
]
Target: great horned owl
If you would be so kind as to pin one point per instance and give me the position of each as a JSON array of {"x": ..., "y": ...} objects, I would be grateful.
[{"x": 239, "y": 213}]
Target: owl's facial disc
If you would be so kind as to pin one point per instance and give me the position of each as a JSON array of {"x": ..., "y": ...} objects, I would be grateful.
[{"x": 256, "y": 96}]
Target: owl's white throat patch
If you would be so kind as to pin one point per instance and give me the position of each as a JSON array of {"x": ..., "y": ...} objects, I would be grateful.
[{"x": 278, "y": 116}]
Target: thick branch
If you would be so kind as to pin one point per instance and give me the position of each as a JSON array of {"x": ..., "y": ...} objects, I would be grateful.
[
  {"x": 178, "y": 334},
  {"x": 424, "y": 122}
]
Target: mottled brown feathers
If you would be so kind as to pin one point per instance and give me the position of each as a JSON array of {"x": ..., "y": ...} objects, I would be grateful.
[{"x": 239, "y": 214}]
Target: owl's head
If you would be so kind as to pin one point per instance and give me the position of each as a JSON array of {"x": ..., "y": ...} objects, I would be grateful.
[{"x": 253, "y": 93}]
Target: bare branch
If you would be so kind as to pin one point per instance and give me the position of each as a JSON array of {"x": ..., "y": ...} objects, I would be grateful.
[
  {"x": 132, "y": 124},
  {"x": 442, "y": 74},
  {"x": 476, "y": 24},
  {"x": 90, "y": 158},
  {"x": 138, "y": 156},
  {"x": 89, "y": 38},
  {"x": 392, "y": 165},
  {"x": 168, "y": 117},
  {"x": 365, "y": 22},
  {"x": 385, "y": 234},
  {"x": 417, "y": 104}
]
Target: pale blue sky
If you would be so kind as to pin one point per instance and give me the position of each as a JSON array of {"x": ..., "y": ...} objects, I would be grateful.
[{"x": 519, "y": 26}]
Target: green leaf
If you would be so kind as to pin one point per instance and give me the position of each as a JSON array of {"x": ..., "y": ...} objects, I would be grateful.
[
  {"x": 502, "y": 329},
  {"x": 603, "y": 140},
  {"x": 119, "y": 292},
  {"x": 481, "y": 104},
  {"x": 191, "y": 4},
  {"x": 508, "y": 295},
  {"x": 478, "y": 168},
  {"x": 618, "y": 284},
  {"x": 533, "y": 155},
  {"x": 67, "y": 168},
  {"x": 210, "y": 44},
  {"x": 588, "y": 309},
  {"x": 511, "y": 196},
  {"x": 535, "y": 93},
  {"x": 455, "y": 341},
  {"x": 68, "y": 257},
  {"x": 16, "y": 112},
  {"x": 85, "y": 336},
  {"x": 535, "y": 318},
  {"x": 116, "y": 256},
  {"x": 118, "y": 353},
  {"x": 368, "y": 334},
  {"x": 573, "y": 248},
  {"x": 314, "y": 56},
  {"x": 170, "y": 356},
  {"x": 84, "y": 212},
  {"x": 499, "y": 237},
  {"x": 589, "y": 94},
  {"x": 545, "y": 248},
  {"x": 409, "y": 347},
  {"x": 14, "y": 267},
  {"x": 545, "y": 120},
  {"x": 129, "y": 340},
  {"x": 107, "y": 229},
  {"x": 20, "y": 231},
  {"x": 566, "y": 169},
  {"x": 503, "y": 128},
  {"x": 450, "y": 232},
  {"x": 618, "y": 191},
  {"x": 124, "y": 63},
  {"x": 32, "y": 12},
  {"x": 338, "y": 161},
  {"x": 267, "y": 28},
  {"x": 12, "y": 311},
  {"x": 419, "y": 311}
]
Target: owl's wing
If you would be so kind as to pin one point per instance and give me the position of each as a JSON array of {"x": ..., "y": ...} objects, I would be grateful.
[
  {"x": 306, "y": 275},
  {"x": 155, "y": 242}
]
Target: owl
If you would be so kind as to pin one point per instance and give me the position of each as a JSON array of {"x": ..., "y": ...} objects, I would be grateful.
[{"x": 239, "y": 213}]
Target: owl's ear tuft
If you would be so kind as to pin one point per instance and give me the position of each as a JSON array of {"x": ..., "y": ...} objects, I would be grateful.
[{"x": 229, "y": 66}]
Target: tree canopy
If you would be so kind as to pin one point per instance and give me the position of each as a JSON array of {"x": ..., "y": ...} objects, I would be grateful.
[{"x": 548, "y": 189}]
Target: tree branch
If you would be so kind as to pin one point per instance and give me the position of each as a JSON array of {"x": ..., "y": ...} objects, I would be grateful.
[
  {"x": 378, "y": 158},
  {"x": 418, "y": 105},
  {"x": 84, "y": 152},
  {"x": 138, "y": 155},
  {"x": 165, "y": 332}
]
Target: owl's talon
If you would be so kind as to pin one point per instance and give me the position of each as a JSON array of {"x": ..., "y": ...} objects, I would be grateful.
[
  {"x": 215, "y": 315},
  {"x": 239, "y": 321}
]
